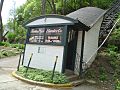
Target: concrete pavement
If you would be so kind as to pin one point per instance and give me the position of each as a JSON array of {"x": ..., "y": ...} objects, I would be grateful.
[{"x": 7, "y": 82}]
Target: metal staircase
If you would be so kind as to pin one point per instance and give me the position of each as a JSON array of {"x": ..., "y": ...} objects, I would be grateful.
[{"x": 109, "y": 20}]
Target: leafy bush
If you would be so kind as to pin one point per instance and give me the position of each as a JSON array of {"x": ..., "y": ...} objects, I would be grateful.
[
  {"x": 1, "y": 44},
  {"x": 18, "y": 46},
  {"x": 114, "y": 39},
  {"x": 6, "y": 44},
  {"x": 112, "y": 48},
  {"x": 117, "y": 85},
  {"x": 103, "y": 75},
  {"x": 1, "y": 55},
  {"x": 115, "y": 35},
  {"x": 11, "y": 37},
  {"x": 42, "y": 75},
  {"x": 5, "y": 53}
]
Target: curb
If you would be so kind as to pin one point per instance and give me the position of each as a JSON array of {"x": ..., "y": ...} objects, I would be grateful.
[
  {"x": 67, "y": 85},
  {"x": 91, "y": 81}
]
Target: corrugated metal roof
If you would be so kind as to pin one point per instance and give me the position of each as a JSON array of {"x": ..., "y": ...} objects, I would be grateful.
[{"x": 87, "y": 15}]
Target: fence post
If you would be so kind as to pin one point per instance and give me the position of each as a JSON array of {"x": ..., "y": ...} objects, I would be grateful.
[
  {"x": 19, "y": 62},
  {"x": 29, "y": 62},
  {"x": 54, "y": 68}
]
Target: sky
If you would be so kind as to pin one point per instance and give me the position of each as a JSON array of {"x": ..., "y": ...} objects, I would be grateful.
[{"x": 7, "y": 6}]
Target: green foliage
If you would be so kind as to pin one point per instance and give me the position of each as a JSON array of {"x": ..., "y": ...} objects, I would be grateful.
[
  {"x": 18, "y": 36},
  {"x": 42, "y": 75},
  {"x": 104, "y": 4},
  {"x": 114, "y": 39},
  {"x": 103, "y": 75},
  {"x": 113, "y": 52},
  {"x": 32, "y": 8},
  {"x": 1, "y": 55},
  {"x": 18, "y": 46},
  {"x": 117, "y": 85},
  {"x": 90, "y": 74},
  {"x": 4, "y": 44},
  {"x": 116, "y": 34},
  {"x": 7, "y": 53},
  {"x": 112, "y": 48},
  {"x": 7, "y": 44},
  {"x": 11, "y": 37}
]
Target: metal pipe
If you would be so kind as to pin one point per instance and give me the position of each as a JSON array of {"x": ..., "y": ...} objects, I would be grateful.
[
  {"x": 19, "y": 62},
  {"x": 54, "y": 68},
  {"x": 29, "y": 62},
  {"x": 82, "y": 51}
]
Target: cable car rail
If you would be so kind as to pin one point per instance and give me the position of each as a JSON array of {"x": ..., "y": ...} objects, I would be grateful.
[{"x": 108, "y": 20}]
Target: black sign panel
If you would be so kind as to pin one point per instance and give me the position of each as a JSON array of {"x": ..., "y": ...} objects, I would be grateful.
[
  {"x": 37, "y": 35},
  {"x": 53, "y": 35},
  {"x": 46, "y": 35}
]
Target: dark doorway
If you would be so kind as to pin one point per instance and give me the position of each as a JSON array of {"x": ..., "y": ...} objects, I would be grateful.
[{"x": 71, "y": 49}]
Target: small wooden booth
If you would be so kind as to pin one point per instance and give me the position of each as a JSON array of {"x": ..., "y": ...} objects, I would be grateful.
[{"x": 73, "y": 38}]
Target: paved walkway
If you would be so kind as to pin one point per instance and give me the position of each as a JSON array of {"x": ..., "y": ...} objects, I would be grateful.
[{"x": 7, "y": 82}]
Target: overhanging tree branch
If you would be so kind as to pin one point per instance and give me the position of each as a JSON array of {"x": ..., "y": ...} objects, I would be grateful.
[
  {"x": 43, "y": 7},
  {"x": 54, "y": 7},
  {"x": 50, "y": 4}
]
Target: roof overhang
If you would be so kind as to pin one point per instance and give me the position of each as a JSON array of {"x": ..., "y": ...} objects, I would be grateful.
[
  {"x": 87, "y": 16},
  {"x": 50, "y": 20}
]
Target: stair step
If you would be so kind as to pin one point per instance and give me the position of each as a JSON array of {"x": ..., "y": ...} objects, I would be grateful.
[
  {"x": 109, "y": 18},
  {"x": 103, "y": 28},
  {"x": 105, "y": 22},
  {"x": 81, "y": 81},
  {"x": 77, "y": 82},
  {"x": 73, "y": 77},
  {"x": 69, "y": 72}
]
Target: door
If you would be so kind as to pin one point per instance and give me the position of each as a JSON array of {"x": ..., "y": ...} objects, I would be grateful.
[{"x": 71, "y": 49}]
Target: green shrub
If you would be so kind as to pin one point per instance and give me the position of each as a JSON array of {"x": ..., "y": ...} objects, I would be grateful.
[
  {"x": 5, "y": 53},
  {"x": 103, "y": 77},
  {"x": 6, "y": 44},
  {"x": 1, "y": 44},
  {"x": 11, "y": 37},
  {"x": 112, "y": 48},
  {"x": 115, "y": 35},
  {"x": 114, "y": 39},
  {"x": 117, "y": 85},
  {"x": 18, "y": 46},
  {"x": 8, "y": 53},
  {"x": 1, "y": 55},
  {"x": 42, "y": 75}
]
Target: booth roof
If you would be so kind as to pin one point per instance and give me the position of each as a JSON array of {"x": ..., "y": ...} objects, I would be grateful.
[
  {"x": 88, "y": 15},
  {"x": 50, "y": 20}
]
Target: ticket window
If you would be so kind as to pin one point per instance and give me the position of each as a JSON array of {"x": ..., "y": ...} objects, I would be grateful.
[{"x": 46, "y": 35}]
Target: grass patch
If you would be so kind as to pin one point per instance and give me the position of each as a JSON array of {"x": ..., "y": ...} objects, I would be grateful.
[
  {"x": 7, "y": 52},
  {"x": 41, "y": 75},
  {"x": 7, "y": 49},
  {"x": 7, "y": 44}
]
